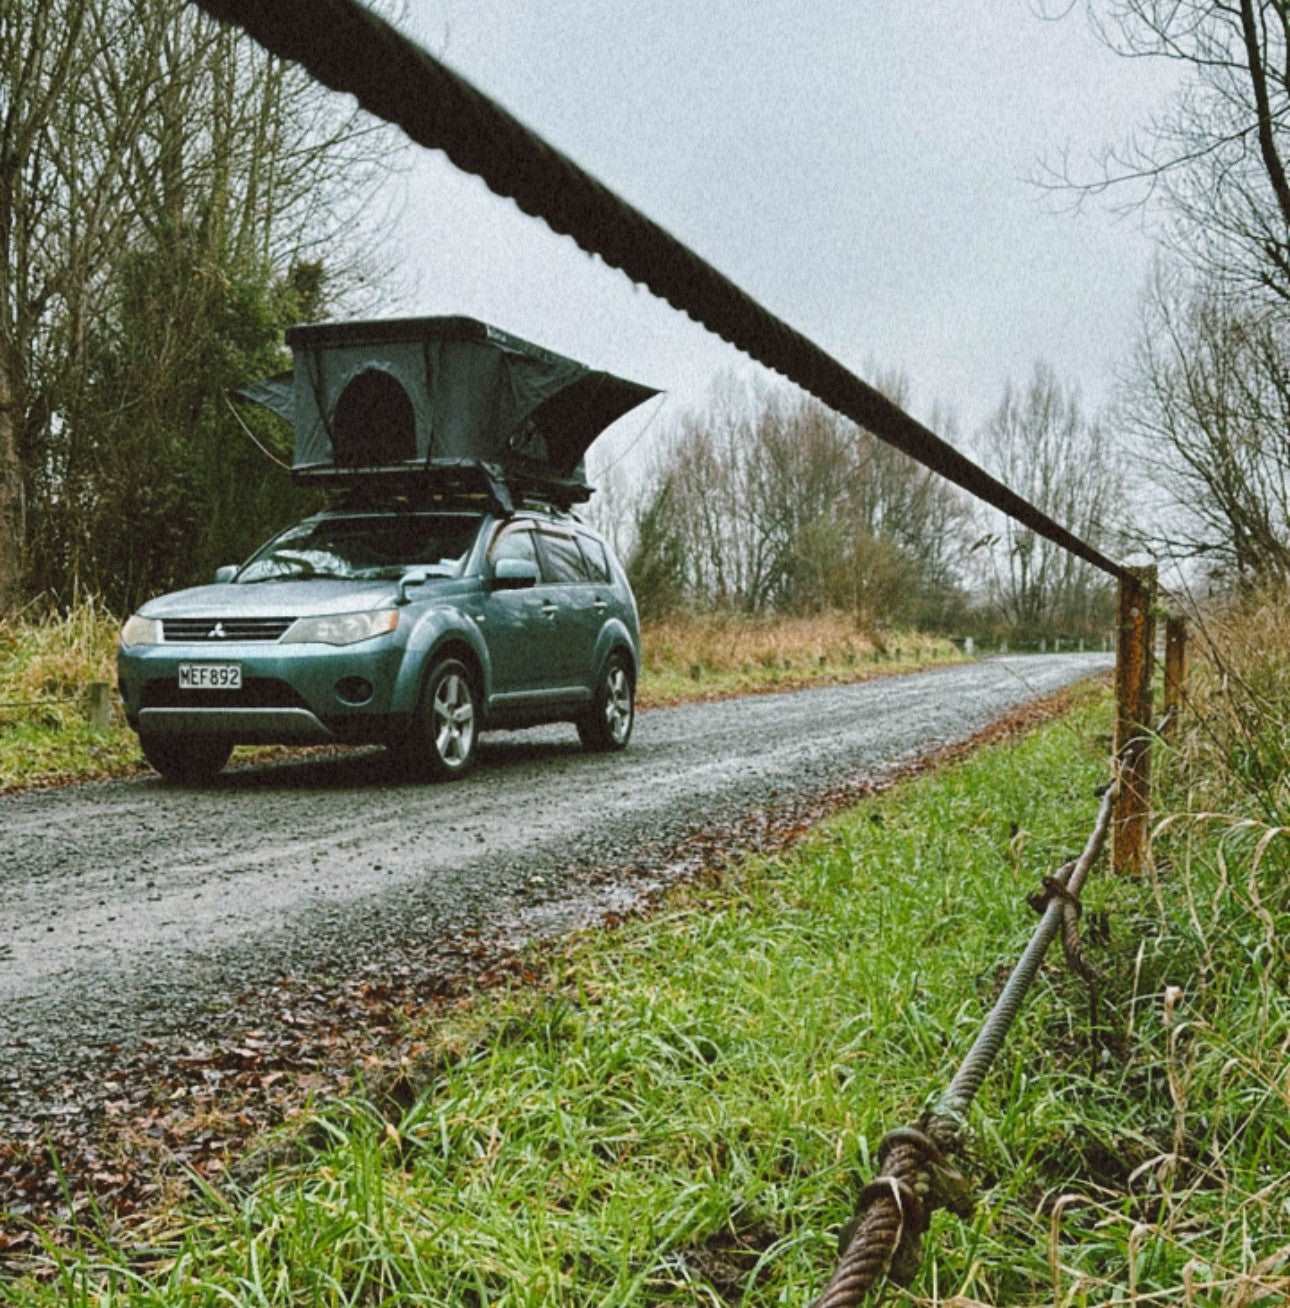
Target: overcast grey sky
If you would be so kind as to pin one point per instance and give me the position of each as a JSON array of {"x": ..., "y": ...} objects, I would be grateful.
[{"x": 858, "y": 166}]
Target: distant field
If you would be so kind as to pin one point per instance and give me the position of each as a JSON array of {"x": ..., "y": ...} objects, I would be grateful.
[{"x": 705, "y": 655}]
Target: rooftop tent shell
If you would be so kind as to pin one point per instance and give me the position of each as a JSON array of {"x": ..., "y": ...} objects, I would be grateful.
[{"x": 444, "y": 396}]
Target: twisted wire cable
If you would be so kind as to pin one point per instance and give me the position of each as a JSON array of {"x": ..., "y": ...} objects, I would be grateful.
[{"x": 914, "y": 1177}]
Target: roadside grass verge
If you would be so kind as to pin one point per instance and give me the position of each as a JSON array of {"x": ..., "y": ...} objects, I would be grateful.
[
  {"x": 709, "y": 655},
  {"x": 48, "y": 661},
  {"x": 681, "y": 1111}
]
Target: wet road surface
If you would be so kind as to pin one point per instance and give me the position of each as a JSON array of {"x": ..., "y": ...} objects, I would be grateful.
[{"x": 134, "y": 909}]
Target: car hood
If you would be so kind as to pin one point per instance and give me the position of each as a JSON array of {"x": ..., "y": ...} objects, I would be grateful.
[{"x": 287, "y": 599}]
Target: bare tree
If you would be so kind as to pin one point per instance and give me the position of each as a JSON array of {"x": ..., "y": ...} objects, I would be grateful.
[
  {"x": 1206, "y": 391},
  {"x": 1216, "y": 155},
  {"x": 1039, "y": 442},
  {"x": 767, "y": 500},
  {"x": 1208, "y": 401},
  {"x": 45, "y": 51}
]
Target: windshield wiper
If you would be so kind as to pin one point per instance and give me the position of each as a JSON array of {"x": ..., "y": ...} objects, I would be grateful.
[
  {"x": 297, "y": 576},
  {"x": 395, "y": 572}
]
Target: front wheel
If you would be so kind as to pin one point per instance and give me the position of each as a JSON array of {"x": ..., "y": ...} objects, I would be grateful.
[
  {"x": 613, "y": 710},
  {"x": 442, "y": 740},
  {"x": 190, "y": 759}
]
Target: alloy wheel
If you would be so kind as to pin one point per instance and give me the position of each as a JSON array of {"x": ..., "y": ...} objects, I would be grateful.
[
  {"x": 618, "y": 703},
  {"x": 454, "y": 721}
]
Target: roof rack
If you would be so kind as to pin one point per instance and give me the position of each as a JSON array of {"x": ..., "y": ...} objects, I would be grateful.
[{"x": 442, "y": 481}]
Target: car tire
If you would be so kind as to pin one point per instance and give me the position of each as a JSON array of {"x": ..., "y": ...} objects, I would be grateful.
[
  {"x": 442, "y": 741},
  {"x": 608, "y": 726},
  {"x": 186, "y": 758}
]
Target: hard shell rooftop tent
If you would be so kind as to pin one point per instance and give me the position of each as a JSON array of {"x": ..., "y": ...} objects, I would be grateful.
[{"x": 443, "y": 399}]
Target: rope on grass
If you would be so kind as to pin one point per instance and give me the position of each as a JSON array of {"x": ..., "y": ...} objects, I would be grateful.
[
  {"x": 885, "y": 1237},
  {"x": 915, "y": 1176}
]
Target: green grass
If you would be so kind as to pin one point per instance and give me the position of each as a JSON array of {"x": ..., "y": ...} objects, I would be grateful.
[{"x": 681, "y": 1112}]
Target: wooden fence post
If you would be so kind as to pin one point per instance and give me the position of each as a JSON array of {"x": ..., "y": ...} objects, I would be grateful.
[
  {"x": 1175, "y": 668},
  {"x": 1135, "y": 647},
  {"x": 99, "y": 705}
]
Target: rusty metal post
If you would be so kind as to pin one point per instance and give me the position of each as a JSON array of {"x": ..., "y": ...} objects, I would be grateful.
[
  {"x": 1133, "y": 659},
  {"x": 1175, "y": 668}
]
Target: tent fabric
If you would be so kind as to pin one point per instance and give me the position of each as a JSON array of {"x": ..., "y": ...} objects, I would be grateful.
[
  {"x": 475, "y": 393},
  {"x": 276, "y": 393}
]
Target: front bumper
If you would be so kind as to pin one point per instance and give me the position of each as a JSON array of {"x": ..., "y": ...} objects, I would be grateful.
[{"x": 291, "y": 694}]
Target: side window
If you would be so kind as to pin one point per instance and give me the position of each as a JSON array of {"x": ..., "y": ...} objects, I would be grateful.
[
  {"x": 513, "y": 543},
  {"x": 561, "y": 559},
  {"x": 593, "y": 553}
]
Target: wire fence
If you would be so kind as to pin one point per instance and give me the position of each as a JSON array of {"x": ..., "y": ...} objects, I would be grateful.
[
  {"x": 915, "y": 1172},
  {"x": 95, "y": 701}
]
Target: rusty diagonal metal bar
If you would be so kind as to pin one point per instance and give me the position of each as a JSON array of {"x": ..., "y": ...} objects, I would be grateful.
[{"x": 348, "y": 48}]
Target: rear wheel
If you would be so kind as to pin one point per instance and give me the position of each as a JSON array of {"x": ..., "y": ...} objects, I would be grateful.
[
  {"x": 608, "y": 726},
  {"x": 443, "y": 737},
  {"x": 186, "y": 758}
]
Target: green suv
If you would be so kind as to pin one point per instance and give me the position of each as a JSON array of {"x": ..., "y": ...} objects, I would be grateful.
[{"x": 416, "y": 628}]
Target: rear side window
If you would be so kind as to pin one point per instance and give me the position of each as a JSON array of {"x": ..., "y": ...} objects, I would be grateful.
[
  {"x": 593, "y": 554},
  {"x": 514, "y": 543},
  {"x": 561, "y": 559}
]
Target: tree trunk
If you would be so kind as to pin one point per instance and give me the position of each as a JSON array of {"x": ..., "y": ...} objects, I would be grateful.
[{"x": 11, "y": 523}]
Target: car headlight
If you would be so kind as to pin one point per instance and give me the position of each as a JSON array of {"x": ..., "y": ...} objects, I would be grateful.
[
  {"x": 341, "y": 628},
  {"x": 141, "y": 631}
]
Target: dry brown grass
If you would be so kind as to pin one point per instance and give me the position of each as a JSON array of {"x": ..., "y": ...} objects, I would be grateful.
[
  {"x": 1234, "y": 748},
  {"x": 47, "y": 662},
  {"x": 48, "y": 658},
  {"x": 698, "y": 655}
]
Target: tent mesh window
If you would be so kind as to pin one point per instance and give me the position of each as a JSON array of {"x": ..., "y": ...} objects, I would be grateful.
[{"x": 374, "y": 424}]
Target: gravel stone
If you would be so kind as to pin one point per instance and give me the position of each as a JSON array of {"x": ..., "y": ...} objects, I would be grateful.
[{"x": 135, "y": 911}]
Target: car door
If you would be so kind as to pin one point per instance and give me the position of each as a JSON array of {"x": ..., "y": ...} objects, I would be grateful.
[
  {"x": 578, "y": 615},
  {"x": 519, "y": 626}
]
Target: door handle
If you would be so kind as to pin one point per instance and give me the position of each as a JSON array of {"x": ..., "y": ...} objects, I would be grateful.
[
  {"x": 548, "y": 609},
  {"x": 600, "y": 605}
]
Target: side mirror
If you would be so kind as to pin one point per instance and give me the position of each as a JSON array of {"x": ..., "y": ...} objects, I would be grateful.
[
  {"x": 410, "y": 579},
  {"x": 226, "y": 573},
  {"x": 514, "y": 574}
]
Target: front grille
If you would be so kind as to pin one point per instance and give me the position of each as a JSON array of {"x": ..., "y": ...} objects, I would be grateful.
[
  {"x": 190, "y": 631},
  {"x": 256, "y": 692}
]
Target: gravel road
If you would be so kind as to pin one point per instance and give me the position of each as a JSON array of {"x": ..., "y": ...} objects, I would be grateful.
[{"x": 135, "y": 910}]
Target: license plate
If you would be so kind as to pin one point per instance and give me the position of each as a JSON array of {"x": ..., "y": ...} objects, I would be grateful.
[{"x": 210, "y": 676}]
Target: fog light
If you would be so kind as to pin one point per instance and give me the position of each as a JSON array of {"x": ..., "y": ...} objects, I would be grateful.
[{"x": 354, "y": 690}]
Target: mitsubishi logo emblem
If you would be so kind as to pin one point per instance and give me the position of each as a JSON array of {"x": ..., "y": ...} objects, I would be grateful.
[{"x": 217, "y": 632}]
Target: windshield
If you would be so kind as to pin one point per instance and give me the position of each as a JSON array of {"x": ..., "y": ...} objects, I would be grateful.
[{"x": 366, "y": 548}]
